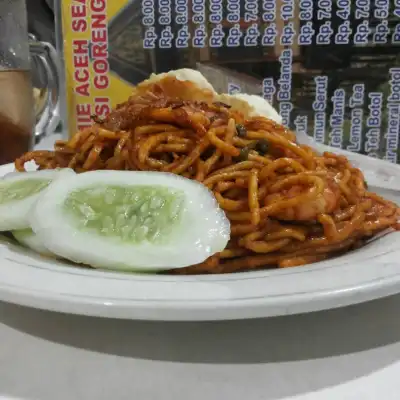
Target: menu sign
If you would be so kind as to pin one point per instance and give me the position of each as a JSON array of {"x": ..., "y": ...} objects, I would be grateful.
[{"x": 331, "y": 67}]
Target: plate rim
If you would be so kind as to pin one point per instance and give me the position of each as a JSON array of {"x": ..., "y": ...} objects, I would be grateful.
[{"x": 232, "y": 309}]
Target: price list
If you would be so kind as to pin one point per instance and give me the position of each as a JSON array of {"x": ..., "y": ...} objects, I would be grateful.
[
  {"x": 269, "y": 10},
  {"x": 183, "y": 37},
  {"x": 148, "y": 22},
  {"x": 353, "y": 117},
  {"x": 393, "y": 107}
]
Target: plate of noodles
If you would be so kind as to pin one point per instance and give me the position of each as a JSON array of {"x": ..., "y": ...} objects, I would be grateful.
[{"x": 185, "y": 204}]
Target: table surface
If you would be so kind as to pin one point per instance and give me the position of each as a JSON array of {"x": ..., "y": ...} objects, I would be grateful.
[{"x": 349, "y": 353}]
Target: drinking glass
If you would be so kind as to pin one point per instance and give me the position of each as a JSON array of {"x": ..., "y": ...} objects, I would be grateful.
[{"x": 20, "y": 56}]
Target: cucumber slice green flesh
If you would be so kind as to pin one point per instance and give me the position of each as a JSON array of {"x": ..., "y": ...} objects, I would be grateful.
[{"x": 131, "y": 214}]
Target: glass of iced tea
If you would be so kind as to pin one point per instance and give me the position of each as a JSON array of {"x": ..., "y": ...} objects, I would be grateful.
[{"x": 18, "y": 121}]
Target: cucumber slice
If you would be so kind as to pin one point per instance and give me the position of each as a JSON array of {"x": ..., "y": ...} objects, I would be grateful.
[
  {"x": 29, "y": 239},
  {"x": 127, "y": 220},
  {"x": 19, "y": 192}
]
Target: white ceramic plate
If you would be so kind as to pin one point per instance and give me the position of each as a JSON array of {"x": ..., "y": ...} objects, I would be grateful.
[{"x": 365, "y": 274}]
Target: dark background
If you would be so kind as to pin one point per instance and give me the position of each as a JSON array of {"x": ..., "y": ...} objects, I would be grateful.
[{"x": 41, "y": 19}]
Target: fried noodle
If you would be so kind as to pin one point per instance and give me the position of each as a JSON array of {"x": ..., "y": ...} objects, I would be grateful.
[{"x": 287, "y": 204}]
